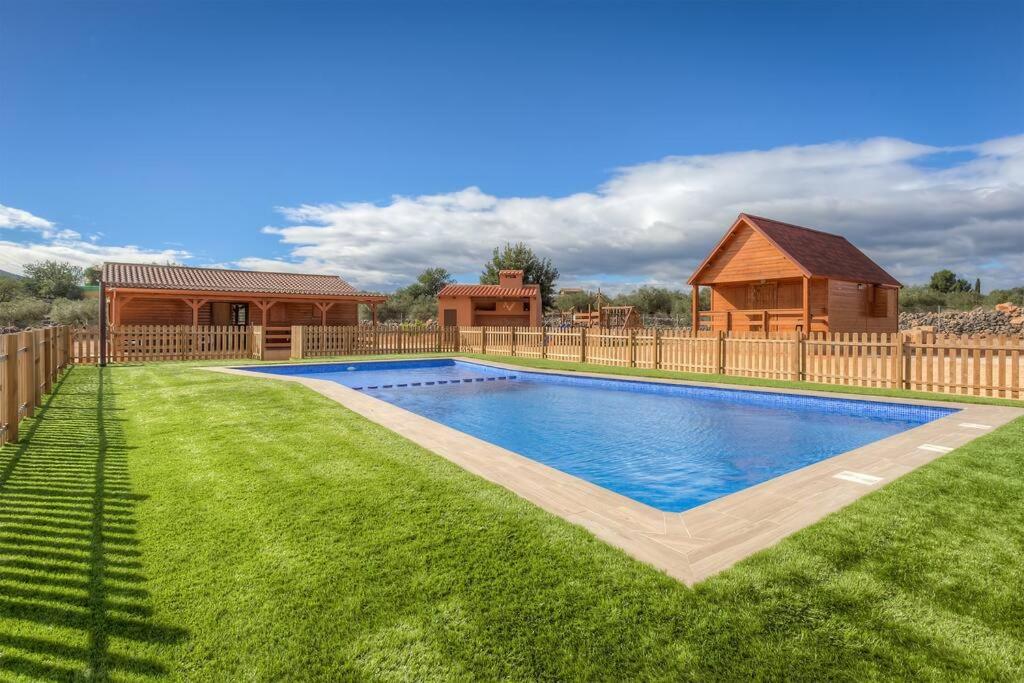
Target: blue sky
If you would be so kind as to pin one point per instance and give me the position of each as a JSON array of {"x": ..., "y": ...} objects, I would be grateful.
[{"x": 278, "y": 135}]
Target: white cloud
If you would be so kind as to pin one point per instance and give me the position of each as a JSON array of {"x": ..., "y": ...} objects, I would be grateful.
[
  {"x": 911, "y": 207},
  {"x": 914, "y": 208}
]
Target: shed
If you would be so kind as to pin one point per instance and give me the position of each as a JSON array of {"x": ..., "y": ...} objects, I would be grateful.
[
  {"x": 770, "y": 276},
  {"x": 510, "y": 303}
]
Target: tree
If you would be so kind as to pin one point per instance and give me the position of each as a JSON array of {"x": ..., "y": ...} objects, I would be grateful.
[
  {"x": 417, "y": 301},
  {"x": 53, "y": 280},
  {"x": 977, "y": 286},
  {"x": 576, "y": 298},
  {"x": 536, "y": 270},
  {"x": 943, "y": 281},
  {"x": 10, "y": 289},
  {"x": 430, "y": 282},
  {"x": 93, "y": 274}
]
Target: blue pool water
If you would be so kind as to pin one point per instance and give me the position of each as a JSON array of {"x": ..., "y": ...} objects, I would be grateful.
[{"x": 670, "y": 446}]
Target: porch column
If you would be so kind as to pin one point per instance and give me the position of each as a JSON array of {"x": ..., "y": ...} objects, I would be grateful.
[
  {"x": 695, "y": 308},
  {"x": 324, "y": 307},
  {"x": 103, "y": 325},
  {"x": 807, "y": 305},
  {"x": 195, "y": 305},
  {"x": 264, "y": 305}
]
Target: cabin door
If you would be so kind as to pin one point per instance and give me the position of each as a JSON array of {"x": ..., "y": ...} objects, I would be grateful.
[
  {"x": 449, "y": 317},
  {"x": 220, "y": 313},
  {"x": 763, "y": 296}
]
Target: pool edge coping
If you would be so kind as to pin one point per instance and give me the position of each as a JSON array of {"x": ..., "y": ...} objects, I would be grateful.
[{"x": 702, "y": 541}]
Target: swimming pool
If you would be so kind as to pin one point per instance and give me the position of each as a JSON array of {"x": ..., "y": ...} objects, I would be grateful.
[{"x": 670, "y": 446}]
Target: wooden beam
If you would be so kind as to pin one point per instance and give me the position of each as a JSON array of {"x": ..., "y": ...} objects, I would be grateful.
[
  {"x": 195, "y": 305},
  {"x": 324, "y": 306},
  {"x": 373, "y": 313},
  {"x": 807, "y": 305},
  {"x": 695, "y": 308},
  {"x": 102, "y": 324}
]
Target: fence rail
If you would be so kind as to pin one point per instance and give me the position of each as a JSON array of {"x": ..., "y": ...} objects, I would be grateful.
[
  {"x": 922, "y": 361},
  {"x": 30, "y": 363}
]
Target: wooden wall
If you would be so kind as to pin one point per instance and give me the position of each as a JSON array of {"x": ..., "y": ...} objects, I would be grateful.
[
  {"x": 850, "y": 308},
  {"x": 172, "y": 311},
  {"x": 790, "y": 294},
  {"x": 748, "y": 256}
]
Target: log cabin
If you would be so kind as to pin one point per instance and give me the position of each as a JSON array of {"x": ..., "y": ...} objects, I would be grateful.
[
  {"x": 769, "y": 276},
  {"x": 510, "y": 303},
  {"x": 147, "y": 294}
]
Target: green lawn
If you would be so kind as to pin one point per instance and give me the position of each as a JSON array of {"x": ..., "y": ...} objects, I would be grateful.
[{"x": 163, "y": 521}]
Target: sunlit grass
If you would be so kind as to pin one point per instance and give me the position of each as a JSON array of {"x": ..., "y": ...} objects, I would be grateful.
[{"x": 199, "y": 526}]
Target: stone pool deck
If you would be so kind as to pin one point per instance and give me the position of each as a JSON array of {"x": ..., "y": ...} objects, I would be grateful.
[{"x": 697, "y": 543}]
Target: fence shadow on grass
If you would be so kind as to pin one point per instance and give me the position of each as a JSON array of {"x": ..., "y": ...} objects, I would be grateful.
[{"x": 73, "y": 594}]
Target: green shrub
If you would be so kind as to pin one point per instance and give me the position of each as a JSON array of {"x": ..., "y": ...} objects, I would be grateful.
[
  {"x": 67, "y": 312},
  {"x": 23, "y": 312}
]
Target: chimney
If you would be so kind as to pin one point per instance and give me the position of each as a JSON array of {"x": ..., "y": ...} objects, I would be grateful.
[{"x": 510, "y": 278}]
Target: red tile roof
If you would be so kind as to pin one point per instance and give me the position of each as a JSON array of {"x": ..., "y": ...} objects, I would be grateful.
[
  {"x": 493, "y": 291},
  {"x": 817, "y": 253},
  {"x": 148, "y": 276}
]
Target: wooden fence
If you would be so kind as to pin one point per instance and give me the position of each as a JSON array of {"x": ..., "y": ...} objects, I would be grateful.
[
  {"x": 317, "y": 341},
  {"x": 143, "y": 343},
  {"x": 30, "y": 363},
  {"x": 922, "y": 361}
]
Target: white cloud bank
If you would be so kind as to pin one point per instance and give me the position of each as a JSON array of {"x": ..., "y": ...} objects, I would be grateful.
[
  {"x": 65, "y": 245},
  {"x": 912, "y": 207}
]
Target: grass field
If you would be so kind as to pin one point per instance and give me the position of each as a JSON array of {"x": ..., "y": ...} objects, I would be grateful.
[{"x": 158, "y": 521}]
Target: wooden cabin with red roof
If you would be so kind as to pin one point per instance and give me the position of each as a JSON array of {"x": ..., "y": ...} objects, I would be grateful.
[
  {"x": 510, "y": 303},
  {"x": 148, "y": 294},
  {"x": 769, "y": 276}
]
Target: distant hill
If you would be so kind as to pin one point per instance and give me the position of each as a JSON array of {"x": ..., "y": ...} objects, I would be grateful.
[{"x": 4, "y": 273}]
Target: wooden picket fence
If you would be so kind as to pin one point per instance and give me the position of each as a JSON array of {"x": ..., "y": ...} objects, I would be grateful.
[
  {"x": 144, "y": 343},
  {"x": 30, "y": 363},
  {"x": 922, "y": 361},
  {"x": 313, "y": 341}
]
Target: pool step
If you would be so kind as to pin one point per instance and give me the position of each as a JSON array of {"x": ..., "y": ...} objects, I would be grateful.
[{"x": 436, "y": 382}]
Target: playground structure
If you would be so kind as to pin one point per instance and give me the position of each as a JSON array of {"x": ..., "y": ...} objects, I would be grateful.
[{"x": 603, "y": 317}]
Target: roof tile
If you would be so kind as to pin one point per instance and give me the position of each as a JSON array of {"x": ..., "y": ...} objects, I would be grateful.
[
  {"x": 151, "y": 276},
  {"x": 496, "y": 291}
]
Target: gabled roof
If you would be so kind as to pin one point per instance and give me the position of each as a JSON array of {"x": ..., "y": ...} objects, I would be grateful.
[
  {"x": 492, "y": 291},
  {"x": 150, "y": 276},
  {"x": 816, "y": 253}
]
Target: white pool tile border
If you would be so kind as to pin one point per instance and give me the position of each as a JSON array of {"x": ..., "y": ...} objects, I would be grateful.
[{"x": 702, "y": 541}]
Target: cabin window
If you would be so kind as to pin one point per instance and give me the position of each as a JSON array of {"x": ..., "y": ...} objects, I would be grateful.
[
  {"x": 239, "y": 314},
  {"x": 492, "y": 306}
]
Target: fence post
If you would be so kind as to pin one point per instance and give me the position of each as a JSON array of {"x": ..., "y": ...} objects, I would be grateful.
[
  {"x": 46, "y": 360},
  {"x": 798, "y": 356},
  {"x": 512, "y": 342},
  {"x": 583, "y": 345},
  {"x": 657, "y": 348},
  {"x": 297, "y": 341},
  {"x": 897, "y": 354},
  {"x": 543, "y": 342},
  {"x": 483, "y": 340},
  {"x": 720, "y": 353},
  {"x": 28, "y": 340},
  {"x": 632, "y": 347},
  {"x": 11, "y": 386}
]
